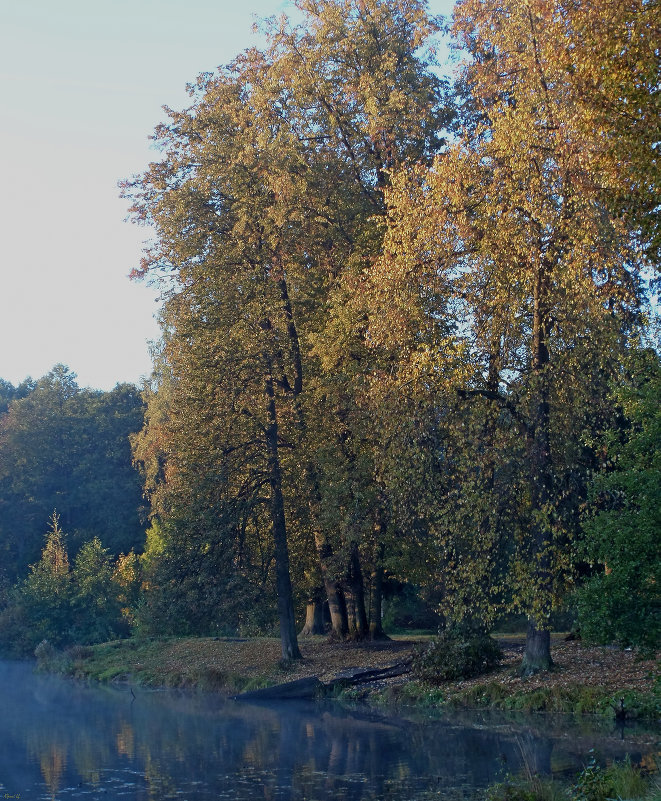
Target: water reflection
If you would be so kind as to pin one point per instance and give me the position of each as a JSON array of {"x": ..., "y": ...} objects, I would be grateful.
[{"x": 65, "y": 740}]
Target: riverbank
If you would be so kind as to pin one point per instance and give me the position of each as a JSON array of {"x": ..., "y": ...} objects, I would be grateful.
[{"x": 592, "y": 680}]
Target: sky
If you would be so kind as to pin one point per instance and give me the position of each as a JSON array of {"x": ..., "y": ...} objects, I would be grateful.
[{"x": 82, "y": 85}]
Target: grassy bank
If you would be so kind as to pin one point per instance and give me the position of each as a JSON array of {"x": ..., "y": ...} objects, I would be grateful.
[
  {"x": 227, "y": 665},
  {"x": 585, "y": 681}
]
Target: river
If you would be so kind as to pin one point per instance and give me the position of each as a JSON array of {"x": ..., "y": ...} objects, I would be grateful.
[{"x": 62, "y": 739}]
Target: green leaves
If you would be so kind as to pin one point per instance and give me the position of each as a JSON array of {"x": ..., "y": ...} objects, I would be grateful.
[
  {"x": 66, "y": 448},
  {"x": 63, "y": 603},
  {"x": 621, "y": 601}
]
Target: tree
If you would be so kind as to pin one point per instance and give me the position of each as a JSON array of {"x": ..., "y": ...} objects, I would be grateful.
[
  {"x": 8, "y": 392},
  {"x": 46, "y": 593},
  {"x": 510, "y": 283},
  {"x": 262, "y": 207},
  {"x": 229, "y": 370},
  {"x": 367, "y": 101},
  {"x": 94, "y": 614},
  {"x": 66, "y": 448},
  {"x": 621, "y": 601},
  {"x": 611, "y": 52}
]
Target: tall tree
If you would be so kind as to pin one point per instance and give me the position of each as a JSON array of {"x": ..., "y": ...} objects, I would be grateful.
[
  {"x": 365, "y": 100},
  {"x": 226, "y": 344},
  {"x": 509, "y": 237},
  {"x": 262, "y": 207}
]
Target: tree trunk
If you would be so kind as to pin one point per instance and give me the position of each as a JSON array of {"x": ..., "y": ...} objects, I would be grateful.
[
  {"x": 376, "y": 605},
  {"x": 376, "y": 631},
  {"x": 314, "y": 614},
  {"x": 537, "y": 654},
  {"x": 288, "y": 639},
  {"x": 336, "y": 601},
  {"x": 356, "y": 614}
]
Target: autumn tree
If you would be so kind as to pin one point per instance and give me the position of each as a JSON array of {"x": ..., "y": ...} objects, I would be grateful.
[
  {"x": 513, "y": 287},
  {"x": 366, "y": 100},
  {"x": 226, "y": 343},
  {"x": 263, "y": 208},
  {"x": 612, "y": 57}
]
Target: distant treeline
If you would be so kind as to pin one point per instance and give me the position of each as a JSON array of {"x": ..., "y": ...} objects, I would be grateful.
[{"x": 65, "y": 449}]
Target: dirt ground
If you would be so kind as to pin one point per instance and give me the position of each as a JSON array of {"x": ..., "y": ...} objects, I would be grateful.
[{"x": 607, "y": 668}]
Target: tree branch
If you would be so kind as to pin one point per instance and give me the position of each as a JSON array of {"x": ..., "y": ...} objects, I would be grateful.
[{"x": 503, "y": 402}]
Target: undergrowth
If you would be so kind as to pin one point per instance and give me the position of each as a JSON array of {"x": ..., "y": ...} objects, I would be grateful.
[
  {"x": 572, "y": 700},
  {"x": 495, "y": 695},
  {"x": 618, "y": 781}
]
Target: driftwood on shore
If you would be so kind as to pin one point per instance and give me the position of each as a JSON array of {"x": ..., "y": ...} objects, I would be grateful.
[
  {"x": 307, "y": 688},
  {"x": 312, "y": 688}
]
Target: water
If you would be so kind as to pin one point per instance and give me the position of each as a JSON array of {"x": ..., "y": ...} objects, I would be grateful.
[{"x": 61, "y": 739}]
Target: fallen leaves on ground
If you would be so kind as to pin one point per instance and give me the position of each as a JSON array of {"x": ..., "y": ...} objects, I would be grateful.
[{"x": 609, "y": 669}]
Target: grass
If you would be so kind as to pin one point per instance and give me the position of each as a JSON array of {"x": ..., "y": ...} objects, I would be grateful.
[
  {"x": 621, "y": 781},
  {"x": 226, "y": 665},
  {"x": 162, "y": 662},
  {"x": 586, "y": 681},
  {"x": 576, "y": 700}
]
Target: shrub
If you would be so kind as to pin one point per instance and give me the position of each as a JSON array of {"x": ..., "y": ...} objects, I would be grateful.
[
  {"x": 44, "y": 652},
  {"x": 459, "y": 651}
]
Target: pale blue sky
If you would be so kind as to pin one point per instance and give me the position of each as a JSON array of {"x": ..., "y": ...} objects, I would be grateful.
[{"x": 82, "y": 83}]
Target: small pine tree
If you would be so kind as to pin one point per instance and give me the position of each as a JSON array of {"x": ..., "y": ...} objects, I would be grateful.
[{"x": 46, "y": 593}]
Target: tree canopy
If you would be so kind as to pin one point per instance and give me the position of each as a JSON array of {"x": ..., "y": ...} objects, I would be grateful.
[
  {"x": 403, "y": 343},
  {"x": 67, "y": 449},
  {"x": 517, "y": 284}
]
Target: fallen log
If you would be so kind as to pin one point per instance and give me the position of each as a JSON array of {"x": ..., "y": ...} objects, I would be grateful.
[
  {"x": 312, "y": 688},
  {"x": 301, "y": 689},
  {"x": 350, "y": 678}
]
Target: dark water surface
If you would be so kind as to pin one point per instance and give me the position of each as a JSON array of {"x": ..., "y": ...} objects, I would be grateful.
[{"x": 61, "y": 739}]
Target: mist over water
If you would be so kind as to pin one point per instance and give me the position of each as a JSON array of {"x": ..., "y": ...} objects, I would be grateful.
[{"x": 61, "y": 739}]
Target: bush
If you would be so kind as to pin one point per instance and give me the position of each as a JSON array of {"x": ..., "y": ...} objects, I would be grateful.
[
  {"x": 44, "y": 652},
  {"x": 459, "y": 651}
]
